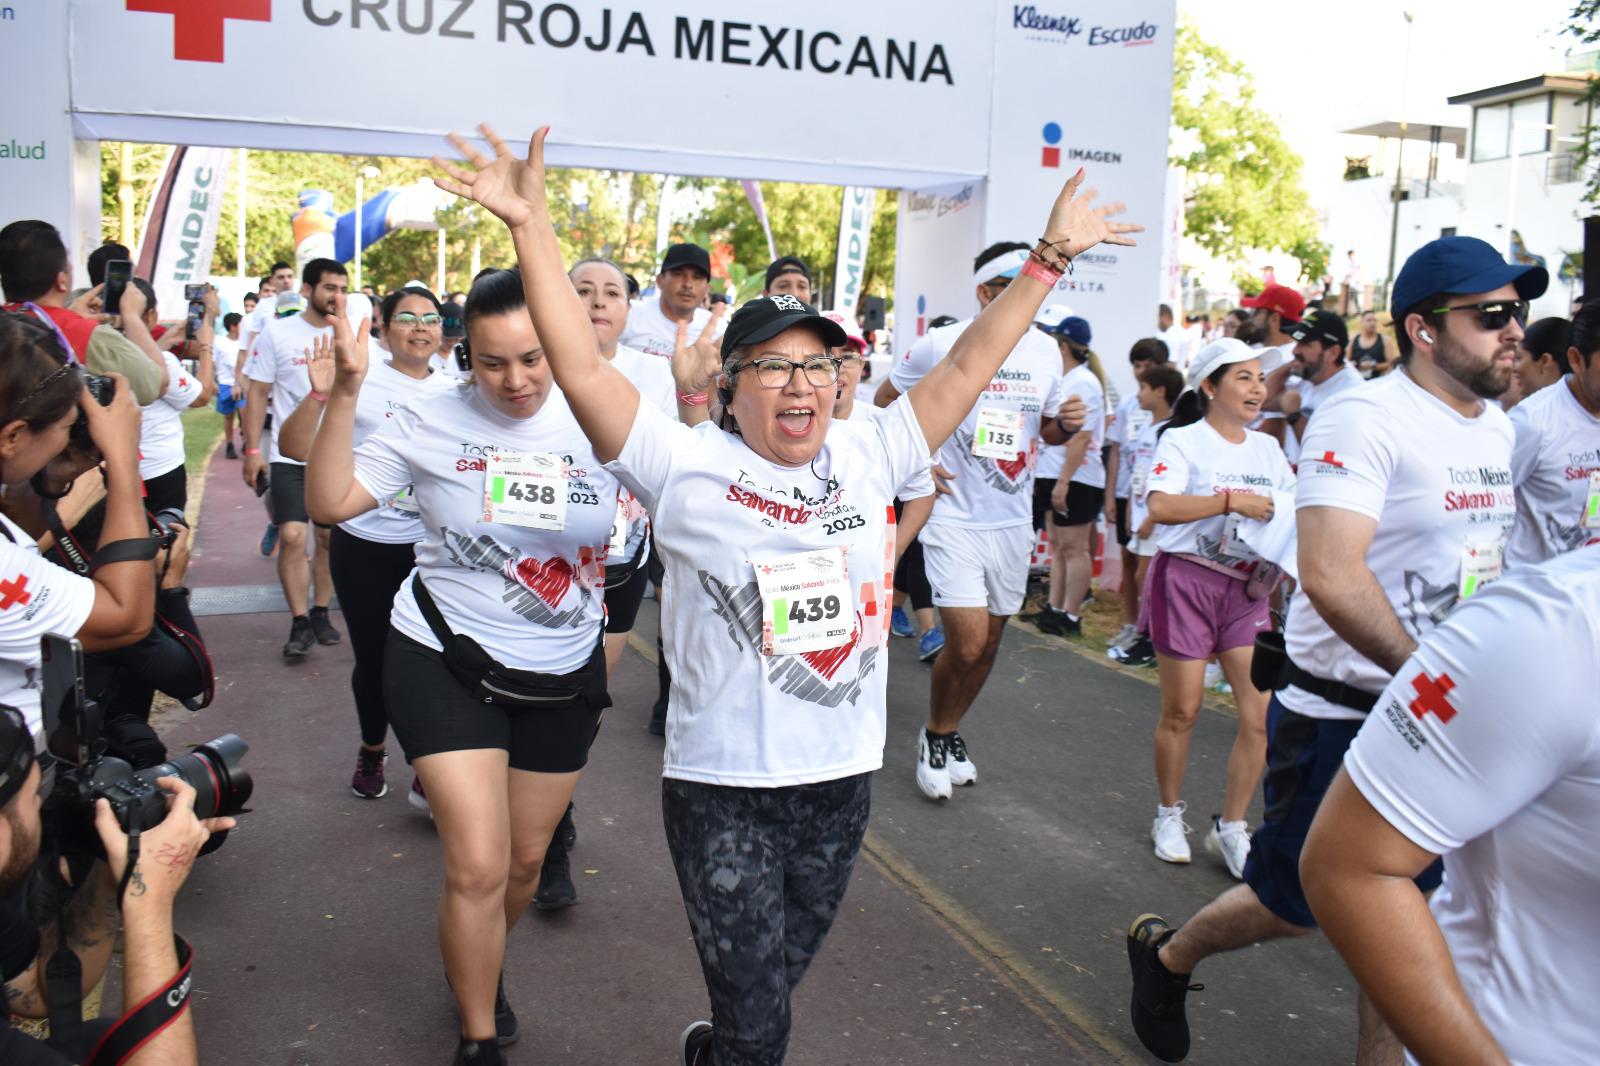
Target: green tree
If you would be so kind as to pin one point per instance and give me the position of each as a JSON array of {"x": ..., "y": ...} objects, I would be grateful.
[
  {"x": 1584, "y": 24},
  {"x": 1244, "y": 189}
]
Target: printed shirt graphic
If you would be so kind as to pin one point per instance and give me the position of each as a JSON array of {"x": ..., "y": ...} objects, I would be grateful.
[
  {"x": 653, "y": 333},
  {"x": 739, "y": 717},
  {"x": 36, "y": 597},
  {"x": 532, "y": 598},
  {"x": 1557, "y": 450},
  {"x": 653, "y": 379},
  {"x": 1125, "y": 426},
  {"x": 280, "y": 357},
  {"x": 1196, "y": 460},
  {"x": 385, "y": 393},
  {"x": 991, "y": 493},
  {"x": 1436, "y": 482},
  {"x": 161, "y": 422},
  {"x": 1459, "y": 759}
]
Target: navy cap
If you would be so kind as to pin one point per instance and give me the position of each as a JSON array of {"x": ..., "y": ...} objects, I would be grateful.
[
  {"x": 1073, "y": 328},
  {"x": 1461, "y": 265}
]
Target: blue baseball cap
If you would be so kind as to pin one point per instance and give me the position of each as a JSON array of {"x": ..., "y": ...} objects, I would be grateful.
[
  {"x": 1073, "y": 328},
  {"x": 1462, "y": 265}
]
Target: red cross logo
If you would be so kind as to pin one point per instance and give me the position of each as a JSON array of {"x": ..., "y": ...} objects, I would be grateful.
[
  {"x": 1328, "y": 460},
  {"x": 197, "y": 24},
  {"x": 14, "y": 592},
  {"x": 1159, "y": 469},
  {"x": 1431, "y": 697}
]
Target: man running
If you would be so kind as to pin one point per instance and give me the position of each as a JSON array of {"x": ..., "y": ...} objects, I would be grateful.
[
  {"x": 977, "y": 541},
  {"x": 277, "y": 367},
  {"x": 684, "y": 282},
  {"x": 1403, "y": 504}
]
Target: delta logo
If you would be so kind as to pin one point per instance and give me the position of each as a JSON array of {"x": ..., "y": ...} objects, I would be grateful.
[{"x": 198, "y": 25}]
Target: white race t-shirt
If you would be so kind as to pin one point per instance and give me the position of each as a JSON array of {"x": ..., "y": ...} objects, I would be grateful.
[
  {"x": 653, "y": 333},
  {"x": 1196, "y": 460},
  {"x": 1129, "y": 421},
  {"x": 256, "y": 322},
  {"x": 279, "y": 357},
  {"x": 531, "y": 597},
  {"x": 36, "y": 597},
  {"x": 650, "y": 376},
  {"x": 1486, "y": 749},
  {"x": 736, "y": 716},
  {"x": 224, "y": 357},
  {"x": 1080, "y": 381},
  {"x": 1553, "y": 463},
  {"x": 921, "y": 483},
  {"x": 1139, "y": 455},
  {"x": 384, "y": 393},
  {"x": 990, "y": 493},
  {"x": 1313, "y": 396},
  {"x": 1438, "y": 484},
  {"x": 161, "y": 422}
]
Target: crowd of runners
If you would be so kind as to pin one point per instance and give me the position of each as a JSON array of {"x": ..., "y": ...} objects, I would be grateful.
[{"x": 1385, "y": 551}]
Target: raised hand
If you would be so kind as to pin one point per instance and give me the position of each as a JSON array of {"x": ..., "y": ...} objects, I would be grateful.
[
  {"x": 349, "y": 351},
  {"x": 1076, "y": 225},
  {"x": 320, "y": 364},
  {"x": 509, "y": 188},
  {"x": 695, "y": 364}
]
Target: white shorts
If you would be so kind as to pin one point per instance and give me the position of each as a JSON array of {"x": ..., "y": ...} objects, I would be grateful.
[{"x": 977, "y": 567}]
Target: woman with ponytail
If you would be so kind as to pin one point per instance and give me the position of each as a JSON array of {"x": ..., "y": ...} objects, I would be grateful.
[
  {"x": 1079, "y": 490},
  {"x": 1209, "y": 473}
]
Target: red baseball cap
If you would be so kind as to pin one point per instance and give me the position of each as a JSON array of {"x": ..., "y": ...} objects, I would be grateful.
[{"x": 1289, "y": 304}]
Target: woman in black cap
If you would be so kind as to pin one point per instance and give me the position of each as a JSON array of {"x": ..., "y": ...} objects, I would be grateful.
[{"x": 778, "y": 544}]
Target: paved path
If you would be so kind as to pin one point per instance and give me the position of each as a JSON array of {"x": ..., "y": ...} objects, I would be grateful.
[{"x": 985, "y": 930}]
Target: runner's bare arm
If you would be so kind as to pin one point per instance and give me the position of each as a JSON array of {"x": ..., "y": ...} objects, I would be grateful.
[
  {"x": 333, "y": 494},
  {"x": 513, "y": 190},
  {"x": 1332, "y": 555},
  {"x": 945, "y": 396},
  {"x": 886, "y": 394},
  {"x": 1357, "y": 871}
]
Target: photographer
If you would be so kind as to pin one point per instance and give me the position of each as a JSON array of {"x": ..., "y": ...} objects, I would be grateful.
[
  {"x": 42, "y": 395},
  {"x": 149, "y": 956}
]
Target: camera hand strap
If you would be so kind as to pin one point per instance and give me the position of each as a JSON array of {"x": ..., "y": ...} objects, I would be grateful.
[{"x": 142, "y": 1024}]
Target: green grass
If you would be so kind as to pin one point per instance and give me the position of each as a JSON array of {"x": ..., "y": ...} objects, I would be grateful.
[{"x": 202, "y": 427}]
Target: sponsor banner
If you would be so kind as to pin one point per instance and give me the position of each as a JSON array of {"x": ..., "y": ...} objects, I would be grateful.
[
  {"x": 939, "y": 230},
  {"x": 1172, "y": 243},
  {"x": 758, "y": 204},
  {"x": 855, "y": 231},
  {"x": 180, "y": 225}
]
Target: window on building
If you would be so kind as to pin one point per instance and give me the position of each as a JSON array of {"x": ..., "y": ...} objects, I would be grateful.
[
  {"x": 1447, "y": 231},
  {"x": 1492, "y": 127}
]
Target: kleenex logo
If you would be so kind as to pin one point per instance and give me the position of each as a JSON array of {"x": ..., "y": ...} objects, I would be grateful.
[{"x": 1029, "y": 18}]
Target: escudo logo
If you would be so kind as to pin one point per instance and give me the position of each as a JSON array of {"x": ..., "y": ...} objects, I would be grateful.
[{"x": 197, "y": 25}]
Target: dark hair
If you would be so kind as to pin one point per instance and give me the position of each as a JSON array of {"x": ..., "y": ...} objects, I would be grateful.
[
  {"x": 231, "y": 319},
  {"x": 494, "y": 292},
  {"x": 1192, "y": 404},
  {"x": 995, "y": 251},
  {"x": 1150, "y": 349},
  {"x": 603, "y": 262},
  {"x": 1165, "y": 309},
  {"x": 1241, "y": 313},
  {"x": 100, "y": 257},
  {"x": 30, "y": 354},
  {"x": 279, "y": 265},
  {"x": 940, "y": 321},
  {"x": 266, "y": 279},
  {"x": 1167, "y": 378},
  {"x": 1402, "y": 339},
  {"x": 1553, "y": 336},
  {"x": 148, "y": 290},
  {"x": 32, "y": 256},
  {"x": 312, "y": 274},
  {"x": 256, "y": 296},
  {"x": 633, "y": 285},
  {"x": 391, "y": 301}
]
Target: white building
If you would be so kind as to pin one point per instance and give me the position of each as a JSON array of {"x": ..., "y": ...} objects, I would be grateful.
[{"x": 1511, "y": 178}]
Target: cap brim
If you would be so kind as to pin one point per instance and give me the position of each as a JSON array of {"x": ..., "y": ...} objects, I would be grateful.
[
  {"x": 833, "y": 335},
  {"x": 1530, "y": 281}
]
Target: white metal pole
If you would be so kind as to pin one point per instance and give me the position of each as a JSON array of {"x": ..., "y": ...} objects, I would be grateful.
[
  {"x": 244, "y": 204},
  {"x": 357, "y": 286},
  {"x": 440, "y": 286}
]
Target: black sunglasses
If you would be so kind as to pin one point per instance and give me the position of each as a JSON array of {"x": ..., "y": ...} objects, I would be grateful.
[{"x": 1493, "y": 315}]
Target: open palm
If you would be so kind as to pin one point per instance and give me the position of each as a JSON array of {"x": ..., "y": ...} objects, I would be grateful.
[
  {"x": 1076, "y": 225},
  {"x": 509, "y": 188}
]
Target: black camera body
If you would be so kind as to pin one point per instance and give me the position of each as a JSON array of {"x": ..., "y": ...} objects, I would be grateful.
[{"x": 102, "y": 389}]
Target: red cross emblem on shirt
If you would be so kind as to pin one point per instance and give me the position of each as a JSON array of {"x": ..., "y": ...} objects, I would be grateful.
[
  {"x": 1327, "y": 459},
  {"x": 197, "y": 24},
  {"x": 1431, "y": 697},
  {"x": 1159, "y": 469},
  {"x": 14, "y": 592}
]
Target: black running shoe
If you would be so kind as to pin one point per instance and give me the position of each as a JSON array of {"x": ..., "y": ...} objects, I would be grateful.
[
  {"x": 694, "y": 1045},
  {"x": 1140, "y": 653},
  {"x": 556, "y": 890},
  {"x": 505, "y": 1021},
  {"x": 231, "y": 454},
  {"x": 658, "y": 718},
  {"x": 301, "y": 638},
  {"x": 325, "y": 632},
  {"x": 479, "y": 1053},
  {"x": 1158, "y": 994},
  {"x": 567, "y": 831}
]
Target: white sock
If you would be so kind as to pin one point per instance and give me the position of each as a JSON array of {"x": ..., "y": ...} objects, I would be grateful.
[
  {"x": 1223, "y": 825},
  {"x": 1165, "y": 812}
]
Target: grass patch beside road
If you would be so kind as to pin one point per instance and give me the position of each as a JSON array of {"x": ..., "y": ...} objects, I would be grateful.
[{"x": 202, "y": 428}]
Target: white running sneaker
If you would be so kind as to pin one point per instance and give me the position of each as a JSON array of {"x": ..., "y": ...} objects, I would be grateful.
[
  {"x": 933, "y": 772},
  {"x": 1125, "y": 636},
  {"x": 959, "y": 763},
  {"x": 1169, "y": 832},
  {"x": 1231, "y": 840}
]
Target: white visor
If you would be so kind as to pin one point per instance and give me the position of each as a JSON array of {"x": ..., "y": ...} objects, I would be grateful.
[{"x": 1004, "y": 266}]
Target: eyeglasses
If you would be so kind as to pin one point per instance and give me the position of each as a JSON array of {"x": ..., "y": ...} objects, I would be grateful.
[
  {"x": 820, "y": 370},
  {"x": 852, "y": 360},
  {"x": 406, "y": 318},
  {"x": 1493, "y": 315}
]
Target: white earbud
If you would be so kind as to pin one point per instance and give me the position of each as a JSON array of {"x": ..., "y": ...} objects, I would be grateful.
[{"x": 1425, "y": 335}]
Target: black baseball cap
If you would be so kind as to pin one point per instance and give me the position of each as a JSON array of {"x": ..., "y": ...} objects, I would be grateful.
[
  {"x": 687, "y": 255},
  {"x": 767, "y": 316},
  {"x": 454, "y": 322},
  {"x": 16, "y": 752},
  {"x": 787, "y": 264},
  {"x": 1324, "y": 326}
]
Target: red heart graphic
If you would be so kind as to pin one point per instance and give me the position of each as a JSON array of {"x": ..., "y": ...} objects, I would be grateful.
[
  {"x": 549, "y": 580},
  {"x": 827, "y": 661},
  {"x": 1012, "y": 468}
]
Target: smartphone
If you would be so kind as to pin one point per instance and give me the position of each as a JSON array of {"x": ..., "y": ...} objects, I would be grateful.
[
  {"x": 196, "y": 295},
  {"x": 118, "y": 273},
  {"x": 62, "y": 697}
]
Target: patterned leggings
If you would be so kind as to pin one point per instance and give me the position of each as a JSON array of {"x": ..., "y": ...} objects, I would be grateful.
[{"x": 762, "y": 872}]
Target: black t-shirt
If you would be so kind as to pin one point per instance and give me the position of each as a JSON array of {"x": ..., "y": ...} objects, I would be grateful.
[{"x": 19, "y": 1049}]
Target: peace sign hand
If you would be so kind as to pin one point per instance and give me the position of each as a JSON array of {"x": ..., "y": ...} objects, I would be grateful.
[
  {"x": 509, "y": 188},
  {"x": 1076, "y": 226},
  {"x": 695, "y": 364}
]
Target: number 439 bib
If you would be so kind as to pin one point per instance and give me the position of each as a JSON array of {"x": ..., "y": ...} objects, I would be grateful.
[
  {"x": 805, "y": 602},
  {"x": 526, "y": 489}
]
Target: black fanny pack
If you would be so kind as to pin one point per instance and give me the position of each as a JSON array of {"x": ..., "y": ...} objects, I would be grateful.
[
  {"x": 486, "y": 679},
  {"x": 1271, "y": 669}
]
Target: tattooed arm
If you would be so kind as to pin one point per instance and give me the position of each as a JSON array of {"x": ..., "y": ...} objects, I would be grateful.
[{"x": 90, "y": 922}]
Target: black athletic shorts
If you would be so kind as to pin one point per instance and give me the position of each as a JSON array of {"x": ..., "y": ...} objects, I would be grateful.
[
  {"x": 622, "y": 601},
  {"x": 1124, "y": 534},
  {"x": 288, "y": 482},
  {"x": 1084, "y": 503},
  {"x": 430, "y": 713},
  {"x": 1042, "y": 488}
]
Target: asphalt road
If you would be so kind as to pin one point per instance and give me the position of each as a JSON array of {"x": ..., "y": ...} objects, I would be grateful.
[{"x": 988, "y": 929}]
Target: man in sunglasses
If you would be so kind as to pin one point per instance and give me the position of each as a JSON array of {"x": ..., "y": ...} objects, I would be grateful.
[
  {"x": 1320, "y": 343},
  {"x": 1403, "y": 505}
]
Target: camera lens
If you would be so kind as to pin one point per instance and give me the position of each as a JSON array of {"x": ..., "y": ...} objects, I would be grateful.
[{"x": 221, "y": 786}]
